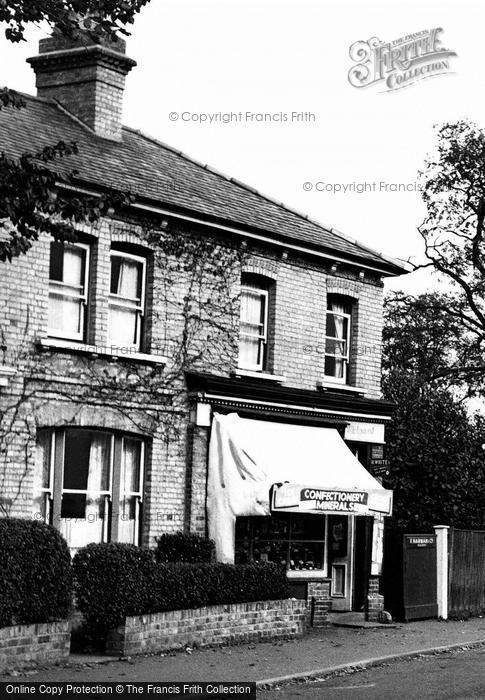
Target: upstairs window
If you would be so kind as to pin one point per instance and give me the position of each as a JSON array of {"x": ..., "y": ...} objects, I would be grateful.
[
  {"x": 68, "y": 290},
  {"x": 126, "y": 300},
  {"x": 337, "y": 339},
  {"x": 253, "y": 327}
]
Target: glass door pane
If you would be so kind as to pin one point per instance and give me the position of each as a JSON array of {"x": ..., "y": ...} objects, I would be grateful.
[{"x": 86, "y": 486}]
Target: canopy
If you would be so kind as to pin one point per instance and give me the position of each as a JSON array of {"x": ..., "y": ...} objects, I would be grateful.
[{"x": 248, "y": 457}]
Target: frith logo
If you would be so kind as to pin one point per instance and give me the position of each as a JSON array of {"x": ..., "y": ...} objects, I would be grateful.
[{"x": 400, "y": 63}]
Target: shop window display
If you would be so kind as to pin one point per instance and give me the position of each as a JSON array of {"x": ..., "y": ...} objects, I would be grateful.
[{"x": 297, "y": 541}]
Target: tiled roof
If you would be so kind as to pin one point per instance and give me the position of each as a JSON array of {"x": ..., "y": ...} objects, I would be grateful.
[{"x": 157, "y": 173}]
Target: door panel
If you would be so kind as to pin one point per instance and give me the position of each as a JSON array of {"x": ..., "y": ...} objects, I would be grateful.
[{"x": 340, "y": 548}]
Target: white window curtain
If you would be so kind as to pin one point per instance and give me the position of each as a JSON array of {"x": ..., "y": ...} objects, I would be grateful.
[
  {"x": 130, "y": 491},
  {"x": 126, "y": 301},
  {"x": 252, "y": 327},
  {"x": 42, "y": 476},
  {"x": 337, "y": 339},
  {"x": 67, "y": 296},
  {"x": 128, "y": 280}
]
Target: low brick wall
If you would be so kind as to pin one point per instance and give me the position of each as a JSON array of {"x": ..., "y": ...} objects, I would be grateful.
[
  {"x": 27, "y": 645},
  {"x": 217, "y": 624}
]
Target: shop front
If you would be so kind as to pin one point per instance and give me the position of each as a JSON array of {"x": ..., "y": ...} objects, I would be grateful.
[{"x": 296, "y": 495}]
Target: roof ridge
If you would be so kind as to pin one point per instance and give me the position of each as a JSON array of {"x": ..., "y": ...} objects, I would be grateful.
[{"x": 239, "y": 183}]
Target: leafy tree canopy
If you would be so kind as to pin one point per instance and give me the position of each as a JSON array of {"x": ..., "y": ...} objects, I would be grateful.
[
  {"x": 98, "y": 18},
  {"x": 453, "y": 181},
  {"x": 434, "y": 445}
]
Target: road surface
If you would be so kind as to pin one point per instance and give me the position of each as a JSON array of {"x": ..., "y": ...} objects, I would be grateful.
[{"x": 457, "y": 676}]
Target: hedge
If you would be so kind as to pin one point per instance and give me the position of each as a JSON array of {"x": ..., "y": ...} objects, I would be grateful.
[
  {"x": 114, "y": 581},
  {"x": 35, "y": 573},
  {"x": 184, "y": 548}
]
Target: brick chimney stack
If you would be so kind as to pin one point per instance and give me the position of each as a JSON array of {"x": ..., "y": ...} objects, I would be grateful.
[{"x": 88, "y": 79}]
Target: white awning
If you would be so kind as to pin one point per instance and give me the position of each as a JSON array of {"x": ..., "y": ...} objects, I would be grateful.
[{"x": 247, "y": 457}]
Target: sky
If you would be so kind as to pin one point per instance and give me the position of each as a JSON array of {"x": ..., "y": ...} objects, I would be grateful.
[{"x": 200, "y": 59}]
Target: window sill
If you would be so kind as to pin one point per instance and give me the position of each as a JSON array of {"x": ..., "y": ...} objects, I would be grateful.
[
  {"x": 306, "y": 574},
  {"x": 6, "y": 373},
  {"x": 110, "y": 352},
  {"x": 258, "y": 375},
  {"x": 329, "y": 386}
]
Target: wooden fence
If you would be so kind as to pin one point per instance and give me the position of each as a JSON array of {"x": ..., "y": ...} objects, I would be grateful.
[{"x": 466, "y": 572}]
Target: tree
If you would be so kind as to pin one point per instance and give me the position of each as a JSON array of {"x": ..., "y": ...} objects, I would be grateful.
[
  {"x": 453, "y": 183},
  {"x": 32, "y": 199},
  {"x": 72, "y": 17},
  {"x": 430, "y": 344},
  {"x": 433, "y": 444}
]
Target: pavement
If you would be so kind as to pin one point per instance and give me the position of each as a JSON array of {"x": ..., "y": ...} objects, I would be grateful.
[{"x": 321, "y": 652}]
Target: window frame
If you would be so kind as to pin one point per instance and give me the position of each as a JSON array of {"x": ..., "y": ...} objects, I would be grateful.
[
  {"x": 83, "y": 298},
  {"x": 141, "y": 308},
  {"x": 54, "y": 493},
  {"x": 346, "y": 358},
  {"x": 263, "y": 337},
  {"x": 137, "y": 495}
]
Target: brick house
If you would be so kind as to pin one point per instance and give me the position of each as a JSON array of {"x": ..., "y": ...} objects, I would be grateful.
[{"x": 116, "y": 373}]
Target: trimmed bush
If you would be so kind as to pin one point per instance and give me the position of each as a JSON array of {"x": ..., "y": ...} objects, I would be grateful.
[
  {"x": 35, "y": 573},
  {"x": 114, "y": 581},
  {"x": 181, "y": 548}
]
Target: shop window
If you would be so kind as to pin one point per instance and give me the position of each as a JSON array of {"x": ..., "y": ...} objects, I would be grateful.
[
  {"x": 253, "y": 342},
  {"x": 126, "y": 300},
  {"x": 337, "y": 339},
  {"x": 79, "y": 474},
  {"x": 297, "y": 541},
  {"x": 68, "y": 290}
]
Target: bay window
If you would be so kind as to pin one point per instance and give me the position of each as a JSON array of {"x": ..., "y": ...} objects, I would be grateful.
[
  {"x": 253, "y": 327},
  {"x": 68, "y": 290},
  {"x": 126, "y": 300},
  {"x": 88, "y": 484},
  {"x": 337, "y": 339}
]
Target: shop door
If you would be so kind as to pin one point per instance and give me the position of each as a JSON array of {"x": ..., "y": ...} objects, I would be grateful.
[
  {"x": 340, "y": 548},
  {"x": 362, "y": 560}
]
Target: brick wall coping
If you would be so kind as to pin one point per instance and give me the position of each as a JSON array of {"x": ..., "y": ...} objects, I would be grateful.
[
  {"x": 286, "y": 603},
  {"x": 100, "y": 351}
]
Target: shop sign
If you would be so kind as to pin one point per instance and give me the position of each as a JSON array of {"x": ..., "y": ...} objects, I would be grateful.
[
  {"x": 420, "y": 540},
  {"x": 296, "y": 498},
  {"x": 377, "y": 452},
  {"x": 379, "y": 470},
  {"x": 364, "y": 432},
  {"x": 379, "y": 462}
]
